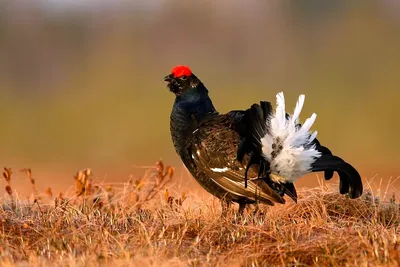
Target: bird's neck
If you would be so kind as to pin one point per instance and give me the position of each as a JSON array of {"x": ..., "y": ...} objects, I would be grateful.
[
  {"x": 187, "y": 112},
  {"x": 197, "y": 106}
]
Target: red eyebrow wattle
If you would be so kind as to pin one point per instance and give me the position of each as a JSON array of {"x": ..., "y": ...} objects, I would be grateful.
[{"x": 181, "y": 70}]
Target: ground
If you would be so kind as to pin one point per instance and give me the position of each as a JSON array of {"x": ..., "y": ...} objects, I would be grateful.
[{"x": 145, "y": 222}]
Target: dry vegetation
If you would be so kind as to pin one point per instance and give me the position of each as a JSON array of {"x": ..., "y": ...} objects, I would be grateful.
[{"x": 140, "y": 223}]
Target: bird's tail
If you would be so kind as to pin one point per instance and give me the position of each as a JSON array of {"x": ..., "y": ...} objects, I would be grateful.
[
  {"x": 288, "y": 150},
  {"x": 288, "y": 146}
]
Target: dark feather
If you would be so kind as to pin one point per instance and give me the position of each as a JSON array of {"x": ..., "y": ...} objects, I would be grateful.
[
  {"x": 256, "y": 124},
  {"x": 290, "y": 190},
  {"x": 350, "y": 180},
  {"x": 325, "y": 151}
]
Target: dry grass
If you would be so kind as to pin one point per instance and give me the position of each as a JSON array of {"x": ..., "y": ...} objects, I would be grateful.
[{"x": 140, "y": 223}]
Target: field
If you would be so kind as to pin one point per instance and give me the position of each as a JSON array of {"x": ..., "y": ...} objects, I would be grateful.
[{"x": 146, "y": 221}]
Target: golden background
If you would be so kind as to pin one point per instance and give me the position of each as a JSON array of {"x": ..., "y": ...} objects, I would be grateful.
[{"x": 81, "y": 83}]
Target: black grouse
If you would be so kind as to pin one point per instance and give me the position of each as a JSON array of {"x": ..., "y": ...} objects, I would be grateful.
[{"x": 252, "y": 155}]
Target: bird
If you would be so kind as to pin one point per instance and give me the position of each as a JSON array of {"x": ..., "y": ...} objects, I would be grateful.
[{"x": 248, "y": 156}]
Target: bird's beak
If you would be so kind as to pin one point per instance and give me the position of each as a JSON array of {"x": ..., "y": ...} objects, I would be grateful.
[{"x": 168, "y": 78}]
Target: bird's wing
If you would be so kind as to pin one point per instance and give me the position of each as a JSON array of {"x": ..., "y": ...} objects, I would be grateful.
[{"x": 214, "y": 151}]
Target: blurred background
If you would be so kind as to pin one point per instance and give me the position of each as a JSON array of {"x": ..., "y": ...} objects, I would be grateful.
[{"x": 81, "y": 82}]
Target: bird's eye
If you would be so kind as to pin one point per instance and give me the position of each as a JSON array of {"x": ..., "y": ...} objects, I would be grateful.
[{"x": 183, "y": 77}]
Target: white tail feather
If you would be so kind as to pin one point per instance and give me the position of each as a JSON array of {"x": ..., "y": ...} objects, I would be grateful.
[
  {"x": 298, "y": 108},
  {"x": 287, "y": 146},
  {"x": 280, "y": 110},
  {"x": 308, "y": 123},
  {"x": 313, "y": 136}
]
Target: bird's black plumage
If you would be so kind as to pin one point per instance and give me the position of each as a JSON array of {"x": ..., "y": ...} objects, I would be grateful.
[{"x": 223, "y": 151}]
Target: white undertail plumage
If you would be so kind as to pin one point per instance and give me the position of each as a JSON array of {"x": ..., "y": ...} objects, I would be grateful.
[{"x": 288, "y": 146}]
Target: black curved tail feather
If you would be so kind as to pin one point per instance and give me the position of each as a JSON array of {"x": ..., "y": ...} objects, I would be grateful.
[
  {"x": 324, "y": 151},
  {"x": 350, "y": 180}
]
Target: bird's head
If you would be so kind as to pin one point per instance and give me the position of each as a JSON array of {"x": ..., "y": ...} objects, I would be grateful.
[{"x": 181, "y": 80}]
